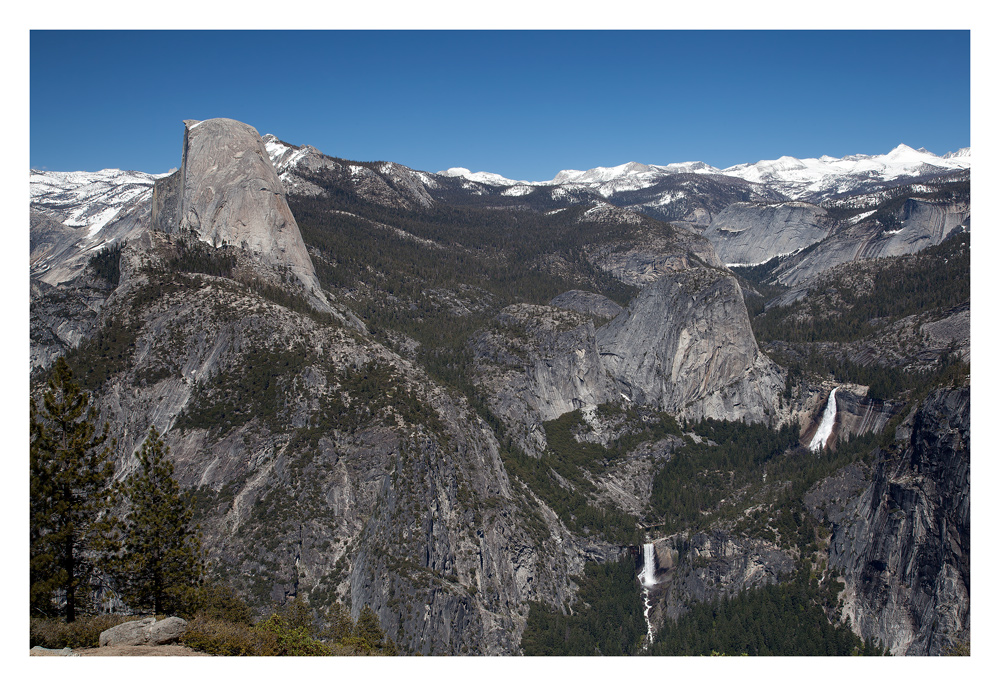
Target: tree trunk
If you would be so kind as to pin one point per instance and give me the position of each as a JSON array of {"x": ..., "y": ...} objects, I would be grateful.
[{"x": 70, "y": 585}]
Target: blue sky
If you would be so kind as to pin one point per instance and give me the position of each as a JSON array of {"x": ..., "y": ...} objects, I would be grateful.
[{"x": 524, "y": 104}]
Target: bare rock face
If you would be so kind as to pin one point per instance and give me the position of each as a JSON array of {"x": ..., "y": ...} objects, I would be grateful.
[
  {"x": 919, "y": 224},
  {"x": 227, "y": 192},
  {"x": 706, "y": 566},
  {"x": 748, "y": 233},
  {"x": 76, "y": 213},
  {"x": 858, "y": 414},
  {"x": 685, "y": 345},
  {"x": 538, "y": 363}
]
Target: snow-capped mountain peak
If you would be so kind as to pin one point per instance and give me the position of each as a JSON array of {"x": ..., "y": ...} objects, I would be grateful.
[
  {"x": 284, "y": 156},
  {"x": 482, "y": 177},
  {"x": 603, "y": 174}
]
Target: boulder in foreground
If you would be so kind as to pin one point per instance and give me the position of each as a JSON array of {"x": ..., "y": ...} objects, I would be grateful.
[{"x": 144, "y": 632}]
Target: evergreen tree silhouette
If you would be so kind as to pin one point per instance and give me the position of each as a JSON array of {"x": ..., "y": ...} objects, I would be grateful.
[{"x": 70, "y": 493}]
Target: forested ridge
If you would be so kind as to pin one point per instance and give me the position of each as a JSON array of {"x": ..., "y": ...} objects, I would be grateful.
[
  {"x": 788, "y": 618},
  {"x": 862, "y": 306},
  {"x": 859, "y": 299}
]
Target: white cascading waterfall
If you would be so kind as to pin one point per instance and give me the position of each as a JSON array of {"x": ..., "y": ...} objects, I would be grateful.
[
  {"x": 825, "y": 424},
  {"x": 647, "y": 577},
  {"x": 648, "y": 573}
]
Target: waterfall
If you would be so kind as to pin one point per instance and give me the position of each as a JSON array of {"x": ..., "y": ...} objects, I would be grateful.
[
  {"x": 648, "y": 573},
  {"x": 647, "y": 577},
  {"x": 825, "y": 424}
]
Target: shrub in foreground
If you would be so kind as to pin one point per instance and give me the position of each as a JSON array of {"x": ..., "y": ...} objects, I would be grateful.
[
  {"x": 272, "y": 636},
  {"x": 84, "y": 632}
]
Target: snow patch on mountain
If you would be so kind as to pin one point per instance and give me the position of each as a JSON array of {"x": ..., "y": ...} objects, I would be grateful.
[
  {"x": 89, "y": 200},
  {"x": 518, "y": 190},
  {"x": 482, "y": 177}
]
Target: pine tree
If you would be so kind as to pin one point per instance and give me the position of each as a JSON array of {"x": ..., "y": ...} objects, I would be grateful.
[
  {"x": 160, "y": 564},
  {"x": 339, "y": 625},
  {"x": 71, "y": 492},
  {"x": 298, "y": 615},
  {"x": 368, "y": 631},
  {"x": 368, "y": 628}
]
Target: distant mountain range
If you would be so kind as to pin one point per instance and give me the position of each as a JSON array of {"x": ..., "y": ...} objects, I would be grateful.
[{"x": 809, "y": 179}]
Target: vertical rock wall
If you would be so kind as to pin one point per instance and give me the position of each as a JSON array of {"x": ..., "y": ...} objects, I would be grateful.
[
  {"x": 227, "y": 192},
  {"x": 901, "y": 535}
]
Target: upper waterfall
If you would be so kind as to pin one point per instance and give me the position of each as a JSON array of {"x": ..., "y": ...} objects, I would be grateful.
[{"x": 826, "y": 424}]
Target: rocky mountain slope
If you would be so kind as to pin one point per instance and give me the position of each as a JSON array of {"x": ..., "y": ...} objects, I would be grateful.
[
  {"x": 745, "y": 210},
  {"x": 442, "y": 395},
  {"x": 685, "y": 345}
]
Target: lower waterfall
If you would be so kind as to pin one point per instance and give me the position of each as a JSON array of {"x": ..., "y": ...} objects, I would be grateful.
[
  {"x": 647, "y": 577},
  {"x": 825, "y": 424}
]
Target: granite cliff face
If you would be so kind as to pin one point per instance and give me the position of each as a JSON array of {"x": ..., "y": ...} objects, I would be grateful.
[
  {"x": 750, "y": 234},
  {"x": 538, "y": 363},
  {"x": 916, "y": 224},
  {"x": 900, "y": 532},
  {"x": 685, "y": 345},
  {"x": 228, "y": 193},
  {"x": 326, "y": 466}
]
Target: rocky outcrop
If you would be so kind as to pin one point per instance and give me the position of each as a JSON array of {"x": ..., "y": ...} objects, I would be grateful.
[
  {"x": 953, "y": 331},
  {"x": 705, "y": 566},
  {"x": 628, "y": 485},
  {"x": 39, "y": 651},
  {"x": 685, "y": 345},
  {"x": 61, "y": 318},
  {"x": 858, "y": 414},
  {"x": 922, "y": 223},
  {"x": 649, "y": 249},
  {"x": 587, "y": 303},
  {"x": 751, "y": 233},
  {"x": 228, "y": 193},
  {"x": 142, "y": 632},
  {"x": 900, "y": 532}
]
